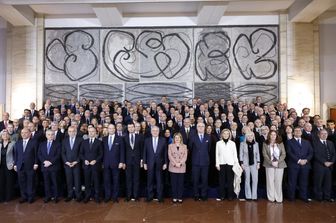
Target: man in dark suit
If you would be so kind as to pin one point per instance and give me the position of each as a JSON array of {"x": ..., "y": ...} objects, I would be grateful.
[
  {"x": 300, "y": 153},
  {"x": 324, "y": 159},
  {"x": 59, "y": 135},
  {"x": 155, "y": 160},
  {"x": 25, "y": 164},
  {"x": 200, "y": 145},
  {"x": 70, "y": 155},
  {"x": 113, "y": 161},
  {"x": 5, "y": 121},
  {"x": 91, "y": 154},
  {"x": 133, "y": 156},
  {"x": 36, "y": 135},
  {"x": 49, "y": 154}
]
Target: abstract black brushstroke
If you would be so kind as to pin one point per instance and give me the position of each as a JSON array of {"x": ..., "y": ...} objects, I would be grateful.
[
  {"x": 58, "y": 91},
  {"x": 253, "y": 55},
  {"x": 73, "y": 55},
  {"x": 101, "y": 91}
]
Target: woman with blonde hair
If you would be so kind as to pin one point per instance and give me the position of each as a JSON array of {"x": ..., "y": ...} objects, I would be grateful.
[
  {"x": 250, "y": 162},
  {"x": 226, "y": 158},
  {"x": 274, "y": 161},
  {"x": 7, "y": 174},
  {"x": 177, "y": 154}
]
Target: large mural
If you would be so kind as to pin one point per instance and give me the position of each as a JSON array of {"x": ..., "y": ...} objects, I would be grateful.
[{"x": 147, "y": 63}]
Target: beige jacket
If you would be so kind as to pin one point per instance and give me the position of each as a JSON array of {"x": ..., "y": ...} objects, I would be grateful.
[
  {"x": 177, "y": 157},
  {"x": 268, "y": 159}
]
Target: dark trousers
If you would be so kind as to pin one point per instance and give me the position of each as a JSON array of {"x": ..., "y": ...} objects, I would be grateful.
[
  {"x": 200, "y": 180},
  {"x": 322, "y": 182},
  {"x": 111, "y": 182},
  {"x": 298, "y": 176},
  {"x": 50, "y": 183},
  {"x": 7, "y": 179},
  {"x": 132, "y": 180},
  {"x": 26, "y": 180},
  {"x": 91, "y": 174},
  {"x": 177, "y": 184},
  {"x": 154, "y": 176},
  {"x": 73, "y": 180},
  {"x": 226, "y": 181}
]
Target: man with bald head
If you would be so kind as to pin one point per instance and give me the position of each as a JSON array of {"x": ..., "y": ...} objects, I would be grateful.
[
  {"x": 5, "y": 121},
  {"x": 199, "y": 145},
  {"x": 155, "y": 160},
  {"x": 25, "y": 164}
]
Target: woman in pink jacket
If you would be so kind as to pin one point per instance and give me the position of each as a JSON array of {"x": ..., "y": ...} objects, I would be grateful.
[{"x": 177, "y": 154}]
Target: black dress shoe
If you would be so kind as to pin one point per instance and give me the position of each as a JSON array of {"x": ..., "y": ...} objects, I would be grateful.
[
  {"x": 79, "y": 199},
  {"x": 56, "y": 200},
  {"x": 160, "y": 200},
  {"x": 115, "y": 200},
  {"x": 22, "y": 200},
  {"x": 136, "y": 199},
  {"x": 196, "y": 198},
  {"x": 127, "y": 199},
  {"x": 149, "y": 199},
  {"x": 330, "y": 200},
  {"x": 106, "y": 200},
  {"x": 97, "y": 200},
  {"x": 180, "y": 201},
  {"x": 68, "y": 199},
  {"x": 30, "y": 201},
  {"x": 204, "y": 198},
  {"x": 46, "y": 200},
  {"x": 86, "y": 200}
]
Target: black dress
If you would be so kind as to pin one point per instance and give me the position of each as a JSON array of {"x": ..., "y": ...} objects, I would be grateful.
[{"x": 6, "y": 177}]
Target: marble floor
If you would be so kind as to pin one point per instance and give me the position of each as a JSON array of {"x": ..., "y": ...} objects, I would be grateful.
[{"x": 190, "y": 211}]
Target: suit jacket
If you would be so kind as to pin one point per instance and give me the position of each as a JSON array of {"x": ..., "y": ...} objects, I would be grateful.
[
  {"x": 38, "y": 136},
  {"x": 268, "y": 158},
  {"x": 116, "y": 155},
  {"x": 68, "y": 154},
  {"x": 2, "y": 124},
  {"x": 200, "y": 150},
  {"x": 186, "y": 137},
  {"x": 135, "y": 154},
  {"x": 160, "y": 157},
  {"x": 9, "y": 155},
  {"x": 93, "y": 153},
  {"x": 244, "y": 154},
  {"x": 295, "y": 152},
  {"x": 54, "y": 155},
  {"x": 177, "y": 156},
  {"x": 28, "y": 157},
  {"x": 320, "y": 153},
  {"x": 59, "y": 136}
]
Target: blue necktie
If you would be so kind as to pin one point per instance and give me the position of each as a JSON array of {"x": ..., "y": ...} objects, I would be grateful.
[
  {"x": 155, "y": 144},
  {"x": 48, "y": 147},
  {"x": 201, "y": 138}
]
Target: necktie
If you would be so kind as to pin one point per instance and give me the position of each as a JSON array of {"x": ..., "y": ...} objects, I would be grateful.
[
  {"x": 24, "y": 145},
  {"x": 155, "y": 144},
  {"x": 299, "y": 141},
  {"x": 201, "y": 138},
  {"x": 91, "y": 142},
  {"x": 110, "y": 143},
  {"x": 327, "y": 150},
  {"x": 132, "y": 139},
  {"x": 71, "y": 142},
  {"x": 48, "y": 147}
]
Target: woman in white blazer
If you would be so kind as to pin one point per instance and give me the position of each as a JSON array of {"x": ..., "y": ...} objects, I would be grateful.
[
  {"x": 226, "y": 157},
  {"x": 7, "y": 175},
  {"x": 250, "y": 162}
]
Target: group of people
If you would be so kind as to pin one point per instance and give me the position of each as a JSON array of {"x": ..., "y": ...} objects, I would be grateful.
[{"x": 93, "y": 146}]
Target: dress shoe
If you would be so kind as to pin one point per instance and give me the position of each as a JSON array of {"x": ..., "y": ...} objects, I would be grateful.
[
  {"x": 204, "y": 198},
  {"x": 149, "y": 199},
  {"x": 196, "y": 198},
  {"x": 68, "y": 199},
  {"x": 106, "y": 200},
  {"x": 86, "y": 200},
  {"x": 174, "y": 201},
  {"x": 79, "y": 199},
  {"x": 160, "y": 200},
  {"x": 136, "y": 199},
  {"x": 330, "y": 200},
  {"x": 180, "y": 201},
  {"x": 30, "y": 201},
  {"x": 46, "y": 200},
  {"x": 97, "y": 200},
  {"x": 115, "y": 200},
  {"x": 219, "y": 199},
  {"x": 22, "y": 200},
  {"x": 127, "y": 199},
  {"x": 56, "y": 200}
]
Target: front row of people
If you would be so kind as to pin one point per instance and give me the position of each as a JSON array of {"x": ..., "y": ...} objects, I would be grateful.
[{"x": 132, "y": 152}]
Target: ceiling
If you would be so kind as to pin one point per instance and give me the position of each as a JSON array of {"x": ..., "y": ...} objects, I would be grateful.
[{"x": 22, "y": 12}]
